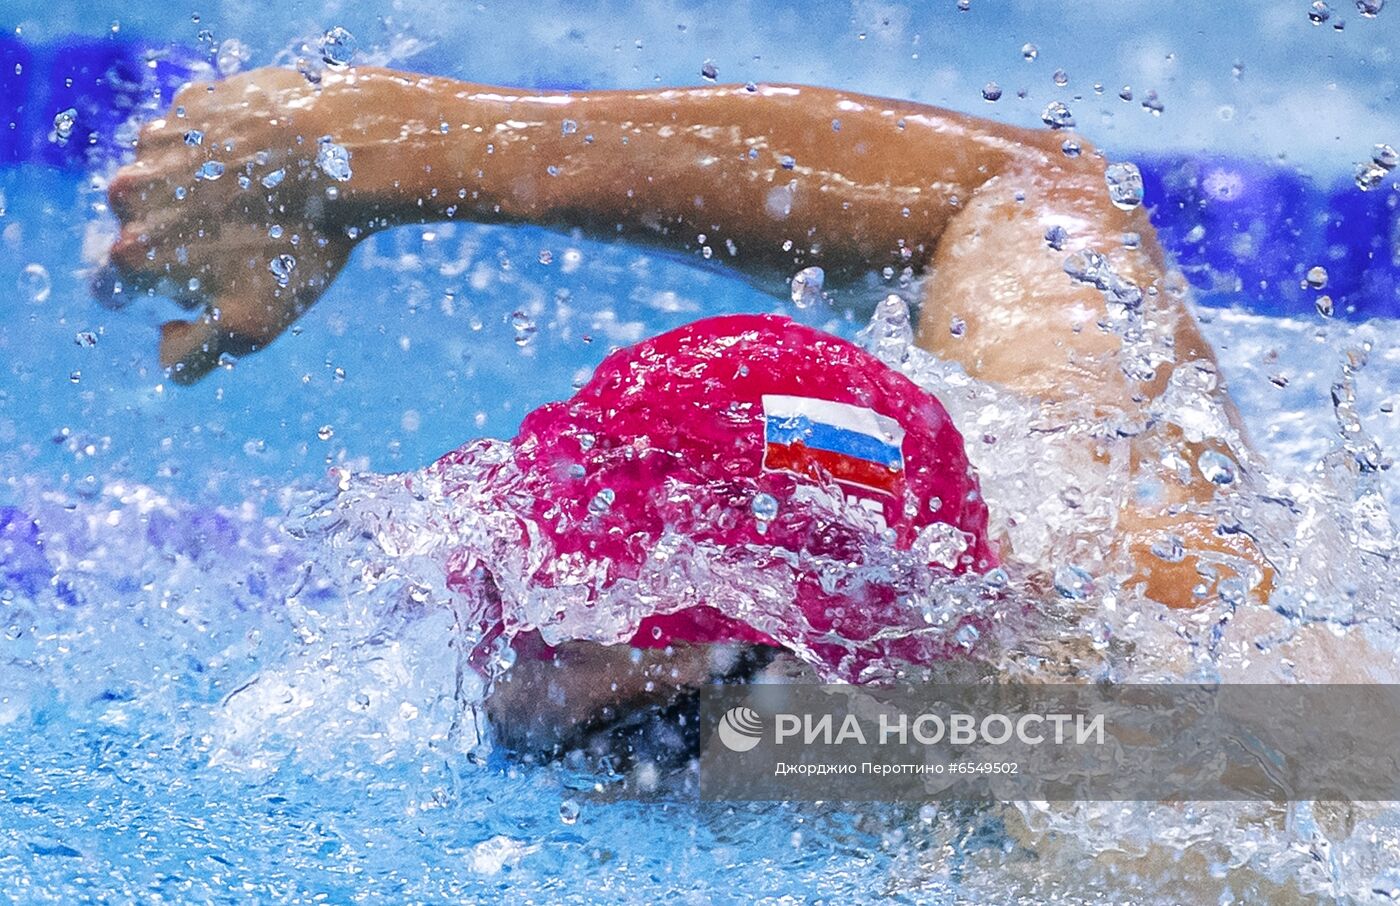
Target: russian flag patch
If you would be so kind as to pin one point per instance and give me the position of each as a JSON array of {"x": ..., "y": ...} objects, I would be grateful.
[{"x": 856, "y": 446}]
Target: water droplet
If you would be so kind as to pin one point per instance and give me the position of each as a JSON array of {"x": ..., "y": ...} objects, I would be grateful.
[
  {"x": 991, "y": 92},
  {"x": 1061, "y": 78},
  {"x": 807, "y": 287},
  {"x": 63, "y": 123},
  {"x": 194, "y": 137},
  {"x": 1319, "y": 12},
  {"x": 1124, "y": 185},
  {"x": 34, "y": 283},
  {"x": 1056, "y": 237},
  {"x": 964, "y": 5},
  {"x": 1385, "y": 156},
  {"x": 1324, "y": 306},
  {"x": 524, "y": 327},
  {"x": 1370, "y": 8},
  {"x": 1169, "y": 548},
  {"x": 1316, "y": 277},
  {"x": 275, "y": 231},
  {"x": 1368, "y": 176},
  {"x": 210, "y": 170},
  {"x": 333, "y": 159},
  {"x": 764, "y": 507},
  {"x": 337, "y": 47},
  {"x": 1126, "y": 93},
  {"x": 788, "y": 161},
  {"x": 709, "y": 71},
  {"x": 940, "y": 544},
  {"x": 75, "y": 377},
  {"x": 1057, "y": 116},
  {"x": 233, "y": 53},
  {"x": 601, "y": 502},
  {"x": 1071, "y": 148},
  {"x": 1029, "y": 52},
  {"x": 967, "y": 635},
  {"x": 325, "y": 432},
  {"x": 1073, "y": 583},
  {"x": 890, "y": 332},
  {"x": 569, "y": 811},
  {"x": 281, "y": 268},
  {"x": 957, "y": 327},
  {"x": 273, "y": 179},
  {"x": 85, "y": 338},
  {"x": 1216, "y": 467}
]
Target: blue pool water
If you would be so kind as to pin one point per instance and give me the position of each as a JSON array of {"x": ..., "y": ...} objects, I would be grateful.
[{"x": 203, "y": 700}]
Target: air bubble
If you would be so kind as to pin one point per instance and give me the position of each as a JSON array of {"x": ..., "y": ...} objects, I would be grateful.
[
  {"x": 991, "y": 92},
  {"x": 1061, "y": 78},
  {"x": 1029, "y": 52},
  {"x": 1324, "y": 306},
  {"x": 273, "y": 179},
  {"x": 210, "y": 170},
  {"x": 325, "y": 432},
  {"x": 1056, "y": 237},
  {"x": 569, "y": 811},
  {"x": 85, "y": 338},
  {"x": 194, "y": 137},
  {"x": 1319, "y": 12},
  {"x": 1370, "y": 8},
  {"x": 709, "y": 71},
  {"x": 1385, "y": 156},
  {"x": 1316, "y": 277}
]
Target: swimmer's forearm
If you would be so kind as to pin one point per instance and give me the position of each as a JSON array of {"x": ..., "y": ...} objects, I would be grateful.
[{"x": 770, "y": 179}]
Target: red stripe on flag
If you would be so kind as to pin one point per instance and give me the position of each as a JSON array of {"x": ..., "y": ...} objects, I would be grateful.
[{"x": 804, "y": 460}]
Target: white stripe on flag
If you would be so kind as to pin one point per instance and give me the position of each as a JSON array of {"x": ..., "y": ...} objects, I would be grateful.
[{"x": 839, "y": 415}]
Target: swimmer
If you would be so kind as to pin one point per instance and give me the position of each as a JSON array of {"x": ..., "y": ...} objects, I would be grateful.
[{"x": 785, "y": 178}]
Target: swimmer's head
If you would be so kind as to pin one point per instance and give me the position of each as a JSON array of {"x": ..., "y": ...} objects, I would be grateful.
[{"x": 751, "y": 430}]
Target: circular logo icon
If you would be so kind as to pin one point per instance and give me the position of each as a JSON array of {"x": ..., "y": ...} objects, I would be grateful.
[{"x": 740, "y": 729}]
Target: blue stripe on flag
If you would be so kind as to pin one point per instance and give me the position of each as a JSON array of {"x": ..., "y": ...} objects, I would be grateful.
[{"x": 818, "y": 436}]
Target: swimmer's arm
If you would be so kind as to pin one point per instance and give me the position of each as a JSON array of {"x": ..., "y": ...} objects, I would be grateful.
[
  {"x": 770, "y": 179},
  {"x": 872, "y": 183}
]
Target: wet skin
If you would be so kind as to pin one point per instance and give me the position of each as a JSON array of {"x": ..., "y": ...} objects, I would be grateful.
[{"x": 793, "y": 176}]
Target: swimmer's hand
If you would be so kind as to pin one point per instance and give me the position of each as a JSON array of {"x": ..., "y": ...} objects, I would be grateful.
[{"x": 226, "y": 208}]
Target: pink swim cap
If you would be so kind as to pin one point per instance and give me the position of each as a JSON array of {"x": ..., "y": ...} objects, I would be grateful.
[{"x": 731, "y": 409}]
